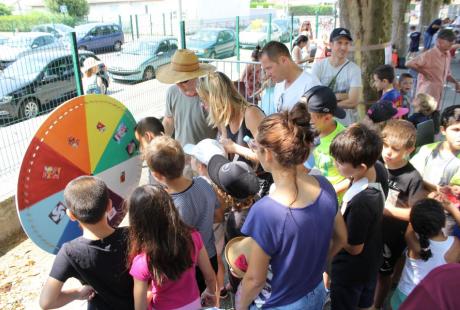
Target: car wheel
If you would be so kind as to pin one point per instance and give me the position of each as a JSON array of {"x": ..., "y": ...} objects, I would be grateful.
[
  {"x": 117, "y": 46},
  {"x": 82, "y": 48},
  {"x": 149, "y": 74},
  {"x": 29, "y": 108}
]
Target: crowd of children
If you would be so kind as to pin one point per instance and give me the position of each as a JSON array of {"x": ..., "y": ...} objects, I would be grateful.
[{"x": 365, "y": 222}]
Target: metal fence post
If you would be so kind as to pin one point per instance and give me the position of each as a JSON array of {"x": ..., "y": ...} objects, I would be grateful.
[
  {"x": 76, "y": 63},
  {"x": 164, "y": 24},
  {"x": 291, "y": 35},
  {"x": 119, "y": 21},
  {"x": 237, "y": 33},
  {"x": 182, "y": 34},
  {"x": 317, "y": 22},
  {"x": 131, "y": 26},
  {"x": 269, "y": 27},
  {"x": 151, "y": 26},
  {"x": 137, "y": 25},
  {"x": 171, "y": 22}
]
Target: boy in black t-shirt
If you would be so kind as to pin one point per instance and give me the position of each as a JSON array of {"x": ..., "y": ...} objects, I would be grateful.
[
  {"x": 355, "y": 268},
  {"x": 406, "y": 187},
  {"x": 97, "y": 259}
]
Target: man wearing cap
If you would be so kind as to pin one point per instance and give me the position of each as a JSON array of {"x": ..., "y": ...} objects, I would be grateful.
[
  {"x": 291, "y": 81},
  {"x": 322, "y": 105},
  {"x": 340, "y": 74},
  {"x": 185, "y": 115}
]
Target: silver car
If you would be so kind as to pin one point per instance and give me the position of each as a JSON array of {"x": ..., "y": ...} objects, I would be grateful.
[
  {"x": 26, "y": 43},
  {"x": 140, "y": 59}
]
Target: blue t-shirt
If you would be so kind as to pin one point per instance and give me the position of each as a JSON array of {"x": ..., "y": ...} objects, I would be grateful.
[
  {"x": 297, "y": 241},
  {"x": 196, "y": 206},
  {"x": 394, "y": 96}
]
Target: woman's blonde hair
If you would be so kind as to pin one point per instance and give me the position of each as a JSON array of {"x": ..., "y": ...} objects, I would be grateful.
[
  {"x": 427, "y": 104},
  {"x": 224, "y": 101}
]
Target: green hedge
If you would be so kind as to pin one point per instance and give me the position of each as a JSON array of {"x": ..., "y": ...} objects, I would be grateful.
[
  {"x": 26, "y": 21},
  {"x": 302, "y": 10},
  {"x": 261, "y": 4}
]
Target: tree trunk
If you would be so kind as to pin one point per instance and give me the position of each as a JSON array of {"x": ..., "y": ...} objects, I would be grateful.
[
  {"x": 400, "y": 26},
  {"x": 344, "y": 14},
  {"x": 435, "y": 8},
  {"x": 370, "y": 24},
  {"x": 425, "y": 14}
]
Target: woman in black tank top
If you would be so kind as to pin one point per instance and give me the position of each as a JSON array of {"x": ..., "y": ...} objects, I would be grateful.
[{"x": 233, "y": 116}]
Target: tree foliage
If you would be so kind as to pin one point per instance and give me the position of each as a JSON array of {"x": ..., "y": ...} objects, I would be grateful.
[
  {"x": 76, "y": 8},
  {"x": 4, "y": 10}
]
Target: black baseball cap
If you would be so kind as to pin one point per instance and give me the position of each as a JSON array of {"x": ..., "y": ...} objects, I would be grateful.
[
  {"x": 321, "y": 99},
  {"x": 382, "y": 111},
  {"x": 236, "y": 178},
  {"x": 340, "y": 32}
]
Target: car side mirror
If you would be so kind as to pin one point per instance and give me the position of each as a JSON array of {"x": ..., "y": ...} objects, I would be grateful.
[
  {"x": 160, "y": 53},
  {"x": 220, "y": 40},
  {"x": 89, "y": 37},
  {"x": 35, "y": 45},
  {"x": 49, "y": 77}
]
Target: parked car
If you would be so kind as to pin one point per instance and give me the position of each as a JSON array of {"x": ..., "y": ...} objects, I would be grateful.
[
  {"x": 213, "y": 43},
  {"x": 25, "y": 43},
  {"x": 37, "y": 82},
  {"x": 57, "y": 30},
  {"x": 140, "y": 59},
  {"x": 97, "y": 36},
  {"x": 257, "y": 34}
]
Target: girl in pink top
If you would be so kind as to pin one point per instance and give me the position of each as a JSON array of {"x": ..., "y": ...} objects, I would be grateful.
[{"x": 164, "y": 251}]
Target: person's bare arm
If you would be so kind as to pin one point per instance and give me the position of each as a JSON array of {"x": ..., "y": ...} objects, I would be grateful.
[
  {"x": 209, "y": 295},
  {"x": 140, "y": 292},
  {"x": 352, "y": 98},
  {"x": 342, "y": 186},
  {"x": 52, "y": 295},
  {"x": 256, "y": 276},
  {"x": 168, "y": 124},
  {"x": 339, "y": 236}
]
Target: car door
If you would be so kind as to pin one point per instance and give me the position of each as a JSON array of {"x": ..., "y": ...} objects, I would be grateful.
[
  {"x": 107, "y": 36},
  {"x": 54, "y": 81},
  {"x": 162, "y": 53},
  {"x": 220, "y": 43},
  {"x": 229, "y": 45},
  {"x": 91, "y": 40}
]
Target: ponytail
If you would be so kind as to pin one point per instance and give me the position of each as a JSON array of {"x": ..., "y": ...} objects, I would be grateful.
[{"x": 425, "y": 250}]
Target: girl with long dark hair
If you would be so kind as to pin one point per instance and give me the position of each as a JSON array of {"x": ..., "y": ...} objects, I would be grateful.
[
  {"x": 165, "y": 251},
  {"x": 427, "y": 246}
]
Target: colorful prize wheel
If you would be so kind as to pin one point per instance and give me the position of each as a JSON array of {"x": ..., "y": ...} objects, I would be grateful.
[{"x": 88, "y": 135}]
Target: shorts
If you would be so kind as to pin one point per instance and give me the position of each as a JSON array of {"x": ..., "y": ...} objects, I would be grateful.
[
  {"x": 397, "y": 299},
  {"x": 352, "y": 296},
  {"x": 392, "y": 251}
]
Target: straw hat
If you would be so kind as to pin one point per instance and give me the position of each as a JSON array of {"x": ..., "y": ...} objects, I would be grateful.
[
  {"x": 184, "y": 66},
  {"x": 90, "y": 63},
  {"x": 237, "y": 251}
]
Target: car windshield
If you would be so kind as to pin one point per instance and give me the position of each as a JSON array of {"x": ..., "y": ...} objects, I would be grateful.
[
  {"x": 256, "y": 27},
  {"x": 140, "y": 48},
  {"x": 22, "y": 42},
  {"x": 24, "y": 65},
  {"x": 207, "y": 36}
]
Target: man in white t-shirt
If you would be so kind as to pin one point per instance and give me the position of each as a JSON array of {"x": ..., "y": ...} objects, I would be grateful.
[
  {"x": 291, "y": 81},
  {"x": 341, "y": 75}
]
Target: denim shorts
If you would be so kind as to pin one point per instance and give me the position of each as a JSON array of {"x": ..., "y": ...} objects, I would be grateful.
[{"x": 314, "y": 300}]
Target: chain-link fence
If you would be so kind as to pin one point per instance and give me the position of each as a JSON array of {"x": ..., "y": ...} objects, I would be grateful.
[{"x": 118, "y": 56}]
